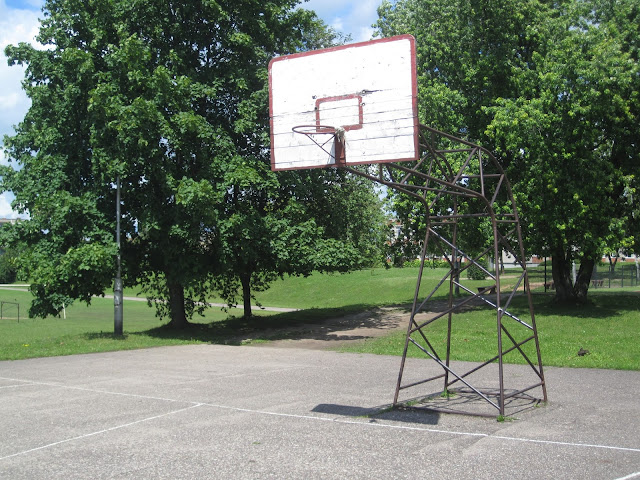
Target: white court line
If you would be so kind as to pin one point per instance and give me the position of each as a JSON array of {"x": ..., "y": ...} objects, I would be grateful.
[
  {"x": 86, "y": 435},
  {"x": 424, "y": 429},
  {"x": 309, "y": 417},
  {"x": 630, "y": 476},
  {"x": 15, "y": 386}
]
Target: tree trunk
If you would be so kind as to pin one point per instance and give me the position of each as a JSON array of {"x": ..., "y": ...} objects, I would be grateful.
[
  {"x": 245, "y": 279},
  {"x": 584, "y": 278},
  {"x": 176, "y": 306},
  {"x": 561, "y": 271}
]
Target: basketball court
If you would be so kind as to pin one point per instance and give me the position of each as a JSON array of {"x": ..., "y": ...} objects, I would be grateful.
[{"x": 210, "y": 411}]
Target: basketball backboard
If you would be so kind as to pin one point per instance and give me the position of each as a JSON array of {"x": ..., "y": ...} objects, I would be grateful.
[{"x": 365, "y": 94}]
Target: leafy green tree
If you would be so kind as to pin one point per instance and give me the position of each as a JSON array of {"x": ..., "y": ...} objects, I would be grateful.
[
  {"x": 295, "y": 223},
  {"x": 164, "y": 96},
  {"x": 569, "y": 134},
  {"x": 466, "y": 51},
  {"x": 8, "y": 268},
  {"x": 552, "y": 87}
]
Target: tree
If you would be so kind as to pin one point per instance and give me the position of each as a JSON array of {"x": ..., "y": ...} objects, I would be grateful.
[
  {"x": 552, "y": 87},
  {"x": 8, "y": 269},
  {"x": 163, "y": 96},
  {"x": 571, "y": 130},
  {"x": 466, "y": 50},
  {"x": 294, "y": 223}
]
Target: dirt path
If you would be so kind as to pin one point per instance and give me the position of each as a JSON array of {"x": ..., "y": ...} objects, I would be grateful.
[
  {"x": 358, "y": 327},
  {"x": 336, "y": 332}
]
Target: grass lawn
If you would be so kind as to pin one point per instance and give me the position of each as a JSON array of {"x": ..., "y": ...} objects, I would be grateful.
[
  {"x": 609, "y": 327},
  {"x": 88, "y": 329}
]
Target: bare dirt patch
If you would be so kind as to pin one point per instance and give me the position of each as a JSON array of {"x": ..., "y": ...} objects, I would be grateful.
[{"x": 336, "y": 332}]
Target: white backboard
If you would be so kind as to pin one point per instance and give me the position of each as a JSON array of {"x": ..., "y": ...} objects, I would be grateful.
[{"x": 368, "y": 90}]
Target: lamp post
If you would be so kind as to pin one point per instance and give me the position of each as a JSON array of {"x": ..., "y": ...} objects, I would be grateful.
[{"x": 117, "y": 284}]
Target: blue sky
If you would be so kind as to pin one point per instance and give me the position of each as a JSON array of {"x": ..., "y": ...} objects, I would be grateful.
[{"x": 19, "y": 23}]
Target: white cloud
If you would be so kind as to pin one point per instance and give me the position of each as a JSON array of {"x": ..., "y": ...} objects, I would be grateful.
[
  {"x": 353, "y": 17},
  {"x": 361, "y": 17},
  {"x": 337, "y": 24},
  {"x": 327, "y": 8},
  {"x": 16, "y": 25},
  {"x": 5, "y": 206},
  {"x": 363, "y": 34}
]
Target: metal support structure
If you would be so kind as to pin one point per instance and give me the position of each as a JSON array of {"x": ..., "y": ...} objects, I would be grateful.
[
  {"x": 464, "y": 190},
  {"x": 117, "y": 283}
]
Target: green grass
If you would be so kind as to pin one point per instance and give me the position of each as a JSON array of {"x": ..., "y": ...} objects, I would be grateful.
[
  {"x": 373, "y": 287},
  {"x": 90, "y": 329},
  {"x": 609, "y": 327}
]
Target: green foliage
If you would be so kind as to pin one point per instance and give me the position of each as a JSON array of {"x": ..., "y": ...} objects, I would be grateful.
[
  {"x": 474, "y": 272},
  {"x": 431, "y": 263},
  {"x": 293, "y": 223},
  {"x": 411, "y": 263},
  {"x": 554, "y": 89},
  {"x": 171, "y": 98},
  {"x": 8, "y": 268},
  {"x": 568, "y": 135}
]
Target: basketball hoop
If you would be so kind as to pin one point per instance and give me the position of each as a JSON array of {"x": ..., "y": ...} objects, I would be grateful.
[{"x": 335, "y": 133}]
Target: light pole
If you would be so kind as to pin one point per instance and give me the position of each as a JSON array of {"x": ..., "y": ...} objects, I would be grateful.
[{"x": 117, "y": 284}]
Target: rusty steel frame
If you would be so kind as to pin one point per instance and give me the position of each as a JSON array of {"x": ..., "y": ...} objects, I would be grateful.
[{"x": 455, "y": 181}]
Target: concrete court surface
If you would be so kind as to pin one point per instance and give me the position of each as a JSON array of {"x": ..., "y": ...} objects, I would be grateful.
[{"x": 211, "y": 411}]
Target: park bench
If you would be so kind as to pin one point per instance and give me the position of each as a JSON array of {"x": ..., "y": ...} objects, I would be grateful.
[
  {"x": 597, "y": 283},
  {"x": 490, "y": 288}
]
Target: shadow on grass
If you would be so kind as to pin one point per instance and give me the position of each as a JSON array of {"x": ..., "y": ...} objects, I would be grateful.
[
  {"x": 350, "y": 322},
  {"x": 318, "y": 323},
  {"x": 105, "y": 335},
  {"x": 598, "y": 305}
]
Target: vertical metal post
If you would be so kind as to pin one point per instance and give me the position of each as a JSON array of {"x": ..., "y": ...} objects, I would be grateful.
[
  {"x": 414, "y": 310},
  {"x": 117, "y": 284},
  {"x": 496, "y": 252}
]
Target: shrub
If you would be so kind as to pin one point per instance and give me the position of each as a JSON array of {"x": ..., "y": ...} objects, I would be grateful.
[
  {"x": 8, "y": 271},
  {"x": 474, "y": 272}
]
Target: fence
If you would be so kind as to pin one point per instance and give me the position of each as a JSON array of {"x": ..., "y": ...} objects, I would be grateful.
[
  {"x": 622, "y": 276},
  {"x": 9, "y": 307},
  {"x": 604, "y": 276}
]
